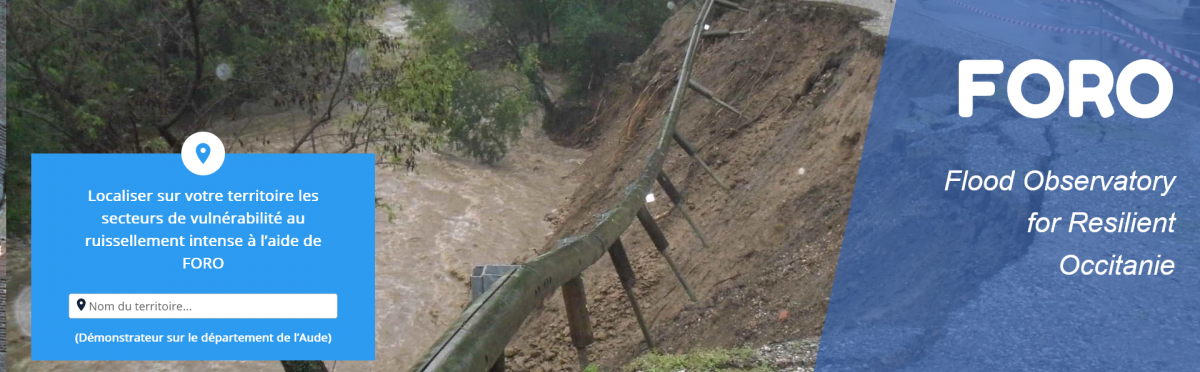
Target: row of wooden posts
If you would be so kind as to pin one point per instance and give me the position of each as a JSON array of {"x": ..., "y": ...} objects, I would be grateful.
[
  {"x": 574, "y": 295},
  {"x": 477, "y": 339}
]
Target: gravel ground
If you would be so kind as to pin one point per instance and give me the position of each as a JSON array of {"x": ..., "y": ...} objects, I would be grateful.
[{"x": 791, "y": 356}]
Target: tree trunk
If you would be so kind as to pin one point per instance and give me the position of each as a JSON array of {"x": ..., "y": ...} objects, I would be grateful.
[{"x": 539, "y": 87}]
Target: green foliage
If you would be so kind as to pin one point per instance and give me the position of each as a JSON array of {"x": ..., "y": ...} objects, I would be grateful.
[
  {"x": 428, "y": 87},
  {"x": 387, "y": 208},
  {"x": 587, "y": 38},
  {"x": 137, "y": 76},
  {"x": 24, "y": 138},
  {"x": 478, "y": 114},
  {"x": 486, "y": 118}
]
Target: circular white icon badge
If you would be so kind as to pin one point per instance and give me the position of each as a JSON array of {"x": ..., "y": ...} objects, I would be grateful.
[{"x": 203, "y": 153}]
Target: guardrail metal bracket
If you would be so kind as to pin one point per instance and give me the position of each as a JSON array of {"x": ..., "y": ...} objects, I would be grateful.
[{"x": 482, "y": 278}]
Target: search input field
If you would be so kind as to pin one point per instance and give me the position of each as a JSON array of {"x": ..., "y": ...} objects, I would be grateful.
[{"x": 203, "y": 306}]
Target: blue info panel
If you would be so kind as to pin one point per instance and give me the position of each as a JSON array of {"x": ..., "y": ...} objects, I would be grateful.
[
  {"x": 239, "y": 277},
  {"x": 986, "y": 234}
]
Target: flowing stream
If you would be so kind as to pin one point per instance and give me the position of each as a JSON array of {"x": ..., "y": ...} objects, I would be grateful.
[{"x": 450, "y": 214}]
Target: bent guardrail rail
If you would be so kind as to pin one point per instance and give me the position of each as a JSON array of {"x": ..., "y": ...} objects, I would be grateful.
[{"x": 476, "y": 341}]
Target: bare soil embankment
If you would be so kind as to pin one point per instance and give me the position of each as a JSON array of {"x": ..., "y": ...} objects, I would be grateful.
[{"x": 805, "y": 77}]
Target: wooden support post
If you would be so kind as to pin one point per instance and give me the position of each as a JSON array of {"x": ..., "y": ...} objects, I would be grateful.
[
  {"x": 729, "y": 4},
  {"x": 691, "y": 151},
  {"x": 721, "y": 33},
  {"x": 677, "y": 199},
  {"x": 620, "y": 260},
  {"x": 702, "y": 90},
  {"x": 715, "y": 33},
  {"x": 577, "y": 318},
  {"x": 660, "y": 242}
]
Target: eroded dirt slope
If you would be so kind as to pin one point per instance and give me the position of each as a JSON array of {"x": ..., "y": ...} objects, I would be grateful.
[{"x": 805, "y": 78}]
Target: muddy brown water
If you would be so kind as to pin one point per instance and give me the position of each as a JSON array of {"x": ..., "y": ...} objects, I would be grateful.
[
  {"x": 457, "y": 213},
  {"x": 450, "y": 214}
]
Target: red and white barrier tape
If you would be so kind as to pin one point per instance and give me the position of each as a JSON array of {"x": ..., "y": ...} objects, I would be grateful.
[
  {"x": 1105, "y": 33},
  {"x": 1138, "y": 30}
]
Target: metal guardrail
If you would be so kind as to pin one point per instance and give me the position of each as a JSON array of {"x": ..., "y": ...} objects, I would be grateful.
[{"x": 476, "y": 341}]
